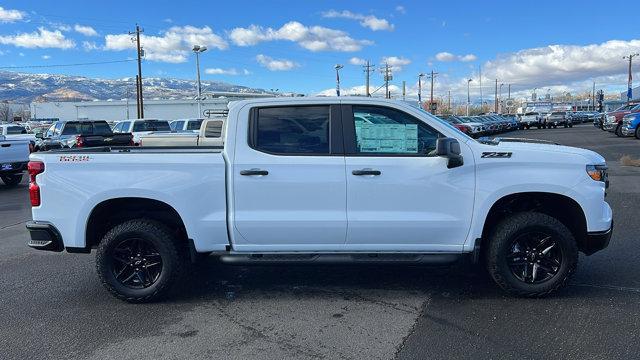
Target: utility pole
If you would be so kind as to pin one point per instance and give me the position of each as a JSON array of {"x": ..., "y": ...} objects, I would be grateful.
[
  {"x": 630, "y": 85},
  {"x": 495, "y": 101},
  {"x": 387, "y": 77},
  {"x": 593, "y": 96},
  {"x": 449, "y": 102},
  {"x": 500, "y": 98},
  {"x": 509, "y": 97},
  {"x": 140, "y": 55},
  {"x": 404, "y": 90},
  {"x": 432, "y": 77},
  {"x": 468, "y": 95},
  {"x": 367, "y": 70},
  {"x": 137, "y": 97},
  {"x": 481, "y": 99}
]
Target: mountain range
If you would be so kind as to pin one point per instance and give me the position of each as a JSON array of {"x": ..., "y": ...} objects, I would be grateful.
[{"x": 27, "y": 87}]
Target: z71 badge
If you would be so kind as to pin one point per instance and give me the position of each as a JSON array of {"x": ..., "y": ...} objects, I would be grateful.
[{"x": 494, "y": 154}]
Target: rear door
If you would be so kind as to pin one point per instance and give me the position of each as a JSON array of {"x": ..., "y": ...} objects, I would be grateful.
[
  {"x": 400, "y": 196},
  {"x": 289, "y": 184}
]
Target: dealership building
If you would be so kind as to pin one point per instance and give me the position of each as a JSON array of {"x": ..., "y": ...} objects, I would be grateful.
[{"x": 115, "y": 110}]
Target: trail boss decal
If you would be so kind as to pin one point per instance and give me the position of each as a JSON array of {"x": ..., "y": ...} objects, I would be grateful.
[
  {"x": 494, "y": 154},
  {"x": 74, "y": 158}
]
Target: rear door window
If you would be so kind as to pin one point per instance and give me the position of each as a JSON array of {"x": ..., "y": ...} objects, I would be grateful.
[
  {"x": 292, "y": 130},
  {"x": 194, "y": 124}
]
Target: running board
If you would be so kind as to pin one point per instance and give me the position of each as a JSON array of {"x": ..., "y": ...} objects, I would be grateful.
[{"x": 353, "y": 258}]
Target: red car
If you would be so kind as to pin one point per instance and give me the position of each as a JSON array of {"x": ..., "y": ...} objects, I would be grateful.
[{"x": 613, "y": 120}]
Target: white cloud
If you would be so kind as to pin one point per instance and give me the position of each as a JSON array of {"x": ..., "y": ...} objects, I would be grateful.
[
  {"x": 8, "y": 16},
  {"x": 90, "y": 45},
  {"x": 447, "y": 57},
  {"x": 401, "y": 9},
  {"x": 276, "y": 64},
  {"x": 396, "y": 63},
  {"x": 46, "y": 57},
  {"x": 361, "y": 90},
  {"x": 231, "y": 71},
  {"x": 561, "y": 64},
  {"x": 314, "y": 38},
  {"x": 368, "y": 21},
  {"x": 357, "y": 61},
  {"x": 21, "y": 54},
  {"x": 85, "y": 30},
  {"x": 173, "y": 46},
  {"x": 41, "y": 39}
]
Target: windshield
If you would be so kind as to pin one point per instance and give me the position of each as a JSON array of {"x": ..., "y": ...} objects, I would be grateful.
[{"x": 151, "y": 125}]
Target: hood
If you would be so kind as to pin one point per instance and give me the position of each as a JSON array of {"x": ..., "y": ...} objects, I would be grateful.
[{"x": 513, "y": 144}]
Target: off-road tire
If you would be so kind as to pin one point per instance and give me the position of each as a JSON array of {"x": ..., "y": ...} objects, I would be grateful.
[
  {"x": 507, "y": 231},
  {"x": 11, "y": 180},
  {"x": 174, "y": 259}
]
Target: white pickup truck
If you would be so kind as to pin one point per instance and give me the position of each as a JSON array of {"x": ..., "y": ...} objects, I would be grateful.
[
  {"x": 211, "y": 133},
  {"x": 305, "y": 180},
  {"x": 14, "y": 156}
]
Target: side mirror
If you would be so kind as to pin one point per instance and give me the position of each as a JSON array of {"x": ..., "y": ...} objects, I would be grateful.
[
  {"x": 39, "y": 136},
  {"x": 449, "y": 148}
]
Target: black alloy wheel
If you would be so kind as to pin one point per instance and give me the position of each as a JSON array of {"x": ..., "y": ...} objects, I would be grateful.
[
  {"x": 136, "y": 263},
  {"x": 535, "y": 257}
]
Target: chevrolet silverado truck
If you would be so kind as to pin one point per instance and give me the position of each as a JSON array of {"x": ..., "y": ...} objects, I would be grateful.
[
  {"x": 14, "y": 156},
  {"x": 305, "y": 180},
  {"x": 529, "y": 120},
  {"x": 211, "y": 133},
  {"x": 81, "y": 133}
]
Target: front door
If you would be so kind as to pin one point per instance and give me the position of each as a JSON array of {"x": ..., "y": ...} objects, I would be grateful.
[
  {"x": 400, "y": 196},
  {"x": 289, "y": 183}
]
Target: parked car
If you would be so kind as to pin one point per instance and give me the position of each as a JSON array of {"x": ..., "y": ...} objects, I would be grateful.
[
  {"x": 555, "y": 119},
  {"x": 211, "y": 134},
  {"x": 182, "y": 125},
  {"x": 81, "y": 133},
  {"x": 530, "y": 119},
  {"x": 613, "y": 120},
  {"x": 13, "y": 131},
  {"x": 14, "y": 156},
  {"x": 296, "y": 184},
  {"x": 141, "y": 127},
  {"x": 630, "y": 125}
]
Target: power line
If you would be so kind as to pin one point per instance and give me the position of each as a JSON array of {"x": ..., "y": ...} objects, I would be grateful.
[{"x": 66, "y": 65}]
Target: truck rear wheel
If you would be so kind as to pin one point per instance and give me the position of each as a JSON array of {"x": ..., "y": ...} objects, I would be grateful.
[
  {"x": 139, "y": 260},
  {"x": 531, "y": 254},
  {"x": 11, "y": 180}
]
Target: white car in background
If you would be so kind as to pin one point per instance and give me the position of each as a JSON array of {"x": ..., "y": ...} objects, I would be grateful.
[
  {"x": 141, "y": 127},
  {"x": 186, "y": 125}
]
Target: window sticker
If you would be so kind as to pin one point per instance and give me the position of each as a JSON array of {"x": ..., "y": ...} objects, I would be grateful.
[{"x": 387, "y": 138}]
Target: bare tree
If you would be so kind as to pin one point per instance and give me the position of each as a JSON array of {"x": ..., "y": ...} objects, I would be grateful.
[{"x": 5, "y": 112}]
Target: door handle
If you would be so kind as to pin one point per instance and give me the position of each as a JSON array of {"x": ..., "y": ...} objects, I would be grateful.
[
  {"x": 254, "y": 172},
  {"x": 366, "y": 172}
]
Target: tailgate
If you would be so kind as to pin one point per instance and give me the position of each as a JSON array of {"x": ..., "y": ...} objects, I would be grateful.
[
  {"x": 13, "y": 151},
  {"x": 107, "y": 140}
]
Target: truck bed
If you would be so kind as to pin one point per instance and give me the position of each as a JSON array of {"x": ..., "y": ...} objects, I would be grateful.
[{"x": 189, "y": 180}]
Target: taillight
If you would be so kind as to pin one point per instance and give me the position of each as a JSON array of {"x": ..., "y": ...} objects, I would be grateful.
[
  {"x": 34, "y": 168},
  {"x": 79, "y": 141}
]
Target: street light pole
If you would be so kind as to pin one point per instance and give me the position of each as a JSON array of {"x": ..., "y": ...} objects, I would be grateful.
[
  {"x": 500, "y": 99},
  {"x": 197, "y": 49},
  {"x": 338, "y": 67},
  {"x": 468, "y": 94},
  {"x": 420, "y": 76}
]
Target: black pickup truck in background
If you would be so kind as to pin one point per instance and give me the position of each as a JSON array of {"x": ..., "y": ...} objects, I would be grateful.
[{"x": 70, "y": 134}]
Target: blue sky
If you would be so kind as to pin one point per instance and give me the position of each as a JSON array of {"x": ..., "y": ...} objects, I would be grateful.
[{"x": 292, "y": 46}]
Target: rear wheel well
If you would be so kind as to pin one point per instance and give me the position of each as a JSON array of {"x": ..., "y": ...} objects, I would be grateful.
[
  {"x": 560, "y": 207},
  {"x": 112, "y": 212}
]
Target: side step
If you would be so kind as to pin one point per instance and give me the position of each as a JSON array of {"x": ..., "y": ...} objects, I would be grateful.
[{"x": 352, "y": 258}]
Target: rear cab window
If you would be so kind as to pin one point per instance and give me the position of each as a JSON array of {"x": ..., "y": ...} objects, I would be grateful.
[
  {"x": 213, "y": 129},
  {"x": 151, "y": 125}
]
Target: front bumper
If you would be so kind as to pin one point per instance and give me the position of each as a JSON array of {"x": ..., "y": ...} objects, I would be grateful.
[
  {"x": 44, "y": 236},
  {"x": 597, "y": 241},
  {"x": 610, "y": 126}
]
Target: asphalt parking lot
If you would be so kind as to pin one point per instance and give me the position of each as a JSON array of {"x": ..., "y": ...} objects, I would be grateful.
[{"x": 52, "y": 305}]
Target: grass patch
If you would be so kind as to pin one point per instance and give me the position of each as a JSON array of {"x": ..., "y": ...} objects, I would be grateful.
[{"x": 627, "y": 160}]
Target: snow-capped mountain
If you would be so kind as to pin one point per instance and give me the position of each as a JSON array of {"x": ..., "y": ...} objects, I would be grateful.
[{"x": 25, "y": 87}]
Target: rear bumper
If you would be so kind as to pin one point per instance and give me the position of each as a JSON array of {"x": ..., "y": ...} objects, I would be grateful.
[
  {"x": 16, "y": 168},
  {"x": 597, "y": 240},
  {"x": 44, "y": 236}
]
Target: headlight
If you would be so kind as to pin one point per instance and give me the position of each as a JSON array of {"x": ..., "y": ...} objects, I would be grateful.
[
  {"x": 597, "y": 172},
  {"x": 611, "y": 118}
]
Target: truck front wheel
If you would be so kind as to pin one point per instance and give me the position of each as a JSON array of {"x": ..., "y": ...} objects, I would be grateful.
[
  {"x": 637, "y": 133},
  {"x": 531, "y": 254},
  {"x": 139, "y": 260}
]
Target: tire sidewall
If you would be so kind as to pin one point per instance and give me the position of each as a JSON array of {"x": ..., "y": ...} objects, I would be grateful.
[{"x": 164, "y": 247}]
